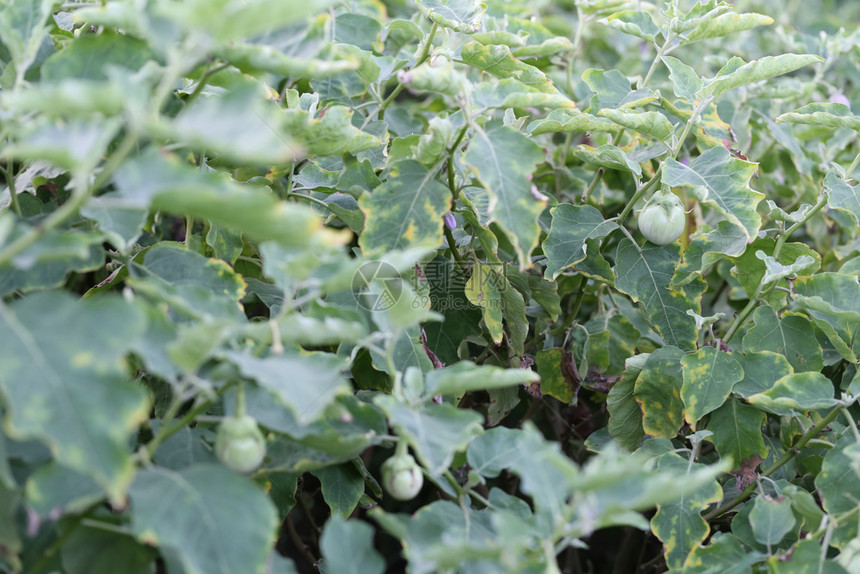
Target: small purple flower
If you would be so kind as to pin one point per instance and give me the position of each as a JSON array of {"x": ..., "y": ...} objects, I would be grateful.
[
  {"x": 450, "y": 222},
  {"x": 839, "y": 98},
  {"x": 685, "y": 161}
]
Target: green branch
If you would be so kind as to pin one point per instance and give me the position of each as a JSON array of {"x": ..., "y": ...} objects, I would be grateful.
[
  {"x": 760, "y": 290},
  {"x": 421, "y": 59},
  {"x": 750, "y": 488}
]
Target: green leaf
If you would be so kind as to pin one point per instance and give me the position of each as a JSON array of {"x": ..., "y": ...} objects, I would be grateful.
[
  {"x": 841, "y": 195},
  {"x": 240, "y": 126},
  {"x": 827, "y": 298},
  {"x": 750, "y": 269},
  {"x": 552, "y": 379},
  {"x": 48, "y": 372},
  {"x": 483, "y": 289},
  {"x": 733, "y": 76},
  {"x": 469, "y": 535},
  {"x": 90, "y": 550},
  {"x": 164, "y": 183},
  {"x": 771, "y": 519},
  {"x": 796, "y": 393},
  {"x": 737, "y": 432},
  {"x": 774, "y": 270},
  {"x": 823, "y": 114},
  {"x": 504, "y": 159},
  {"x": 572, "y": 225},
  {"x": 48, "y": 262},
  {"x": 213, "y": 520},
  {"x": 189, "y": 282},
  {"x": 498, "y": 61},
  {"x": 724, "y": 553},
  {"x": 679, "y": 525},
  {"x": 436, "y": 432},
  {"x": 404, "y": 212},
  {"x": 707, "y": 248},
  {"x": 325, "y": 133},
  {"x": 791, "y": 335},
  {"x": 658, "y": 392},
  {"x": 761, "y": 371},
  {"x": 625, "y": 414},
  {"x": 612, "y": 91},
  {"x": 342, "y": 487},
  {"x": 709, "y": 375},
  {"x": 459, "y": 15},
  {"x": 833, "y": 294},
  {"x": 644, "y": 274},
  {"x": 564, "y": 120},
  {"x": 230, "y": 20},
  {"x": 254, "y": 58},
  {"x": 607, "y": 156},
  {"x": 465, "y": 376},
  {"x": 90, "y": 56},
  {"x": 653, "y": 124},
  {"x": 512, "y": 93},
  {"x": 723, "y": 25},
  {"x": 612, "y": 339},
  {"x": 684, "y": 79},
  {"x": 23, "y": 27},
  {"x": 722, "y": 181},
  {"x": 837, "y": 482},
  {"x": 54, "y": 487},
  {"x": 634, "y": 22},
  {"x": 494, "y": 451},
  {"x": 75, "y": 145},
  {"x": 314, "y": 380},
  {"x": 347, "y": 547}
]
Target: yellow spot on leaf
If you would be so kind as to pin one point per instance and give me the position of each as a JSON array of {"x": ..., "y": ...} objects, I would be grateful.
[{"x": 82, "y": 359}]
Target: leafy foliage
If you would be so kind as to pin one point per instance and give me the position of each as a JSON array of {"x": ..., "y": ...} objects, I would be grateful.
[{"x": 371, "y": 227}]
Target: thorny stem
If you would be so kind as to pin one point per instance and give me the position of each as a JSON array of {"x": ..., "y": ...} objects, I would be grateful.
[{"x": 807, "y": 436}]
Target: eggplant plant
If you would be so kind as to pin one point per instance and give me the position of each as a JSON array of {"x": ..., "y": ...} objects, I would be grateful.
[{"x": 429, "y": 286}]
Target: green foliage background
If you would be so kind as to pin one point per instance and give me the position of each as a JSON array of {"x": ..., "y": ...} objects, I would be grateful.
[{"x": 369, "y": 224}]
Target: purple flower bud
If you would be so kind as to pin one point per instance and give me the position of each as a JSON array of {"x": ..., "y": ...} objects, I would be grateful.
[
  {"x": 537, "y": 194},
  {"x": 685, "y": 161},
  {"x": 839, "y": 98},
  {"x": 450, "y": 222}
]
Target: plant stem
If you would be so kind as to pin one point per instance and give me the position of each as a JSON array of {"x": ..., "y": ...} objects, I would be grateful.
[
  {"x": 657, "y": 59},
  {"x": 807, "y": 436},
  {"x": 853, "y": 166},
  {"x": 168, "y": 431},
  {"x": 652, "y": 183},
  {"x": 777, "y": 249},
  {"x": 574, "y": 309},
  {"x": 421, "y": 59},
  {"x": 10, "y": 181},
  {"x": 203, "y": 81},
  {"x": 851, "y": 422},
  {"x": 454, "y": 484},
  {"x": 308, "y": 198},
  {"x": 452, "y": 245}
]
